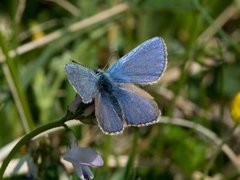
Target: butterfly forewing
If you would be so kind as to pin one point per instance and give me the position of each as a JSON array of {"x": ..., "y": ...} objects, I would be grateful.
[
  {"x": 143, "y": 65},
  {"x": 83, "y": 80}
]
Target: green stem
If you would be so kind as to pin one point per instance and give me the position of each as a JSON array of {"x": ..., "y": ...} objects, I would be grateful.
[
  {"x": 25, "y": 139},
  {"x": 16, "y": 90},
  {"x": 209, "y": 166},
  {"x": 227, "y": 38},
  {"x": 129, "y": 171}
]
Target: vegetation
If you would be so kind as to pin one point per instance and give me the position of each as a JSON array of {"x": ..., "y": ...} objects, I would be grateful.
[{"x": 196, "y": 138}]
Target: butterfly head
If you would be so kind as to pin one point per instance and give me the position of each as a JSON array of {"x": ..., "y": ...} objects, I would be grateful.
[{"x": 98, "y": 71}]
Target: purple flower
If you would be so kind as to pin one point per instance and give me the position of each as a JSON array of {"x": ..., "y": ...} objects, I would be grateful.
[
  {"x": 73, "y": 106},
  {"x": 81, "y": 159},
  {"x": 32, "y": 167}
]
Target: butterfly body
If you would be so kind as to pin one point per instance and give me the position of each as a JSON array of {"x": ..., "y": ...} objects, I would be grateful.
[
  {"x": 104, "y": 83},
  {"x": 117, "y": 101},
  {"x": 105, "y": 87}
]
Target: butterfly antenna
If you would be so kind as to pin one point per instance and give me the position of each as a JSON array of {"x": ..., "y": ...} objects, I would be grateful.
[
  {"x": 110, "y": 57},
  {"x": 73, "y": 61}
]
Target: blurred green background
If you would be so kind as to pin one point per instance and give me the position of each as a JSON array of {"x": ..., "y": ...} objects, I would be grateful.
[{"x": 203, "y": 39}]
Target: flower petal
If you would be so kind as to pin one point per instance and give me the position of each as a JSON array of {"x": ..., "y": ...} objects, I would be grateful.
[
  {"x": 78, "y": 170},
  {"x": 87, "y": 173},
  {"x": 33, "y": 169},
  {"x": 83, "y": 156},
  {"x": 235, "y": 108},
  {"x": 73, "y": 106}
]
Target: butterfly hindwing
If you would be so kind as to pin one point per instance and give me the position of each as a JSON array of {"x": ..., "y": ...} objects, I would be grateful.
[
  {"x": 83, "y": 80},
  {"x": 143, "y": 65},
  {"x": 108, "y": 114},
  {"x": 138, "y": 106}
]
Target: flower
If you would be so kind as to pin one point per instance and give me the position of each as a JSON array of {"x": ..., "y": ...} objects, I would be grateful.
[
  {"x": 235, "y": 108},
  {"x": 73, "y": 106},
  {"x": 32, "y": 166},
  {"x": 81, "y": 159}
]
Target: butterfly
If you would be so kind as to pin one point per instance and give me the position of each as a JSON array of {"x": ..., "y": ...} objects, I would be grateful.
[{"x": 118, "y": 102}]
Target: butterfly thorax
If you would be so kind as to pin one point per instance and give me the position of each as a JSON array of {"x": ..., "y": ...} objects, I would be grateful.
[{"x": 104, "y": 83}]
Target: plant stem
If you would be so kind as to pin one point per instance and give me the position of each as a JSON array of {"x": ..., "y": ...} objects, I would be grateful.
[
  {"x": 25, "y": 139},
  {"x": 209, "y": 166},
  {"x": 79, "y": 114},
  {"x": 219, "y": 30},
  {"x": 15, "y": 88},
  {"x": 129, "y": 170}
]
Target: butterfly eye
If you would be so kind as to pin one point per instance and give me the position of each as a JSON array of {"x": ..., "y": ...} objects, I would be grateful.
[{"x": 98, "y": 71}]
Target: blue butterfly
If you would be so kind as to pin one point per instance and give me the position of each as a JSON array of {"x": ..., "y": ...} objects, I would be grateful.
[{"x": 117, "y": 100}]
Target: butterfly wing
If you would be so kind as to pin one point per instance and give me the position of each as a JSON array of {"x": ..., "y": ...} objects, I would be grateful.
[
  {"x": 83, "y": 81},
  {"x": 108, "y": 113},
  {"x": 138, "y": 106},
  {"x": 144, "y": 64}
]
